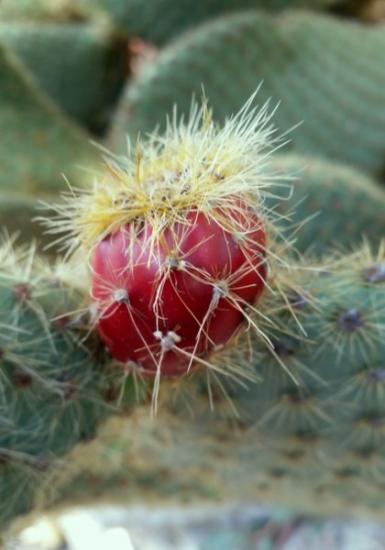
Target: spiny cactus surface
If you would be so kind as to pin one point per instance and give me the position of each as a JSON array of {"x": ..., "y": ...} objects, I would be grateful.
[
  {"x": 308, "y": 435},
  {"x": 51, "y": 391},
  {"x": 325, "y": 72}
]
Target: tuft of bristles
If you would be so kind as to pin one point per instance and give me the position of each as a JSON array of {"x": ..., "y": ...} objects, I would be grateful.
[{"x": 194, "y": 164}]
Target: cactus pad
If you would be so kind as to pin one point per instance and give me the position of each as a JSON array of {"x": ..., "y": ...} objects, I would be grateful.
[{"x": 292, "y": 53}]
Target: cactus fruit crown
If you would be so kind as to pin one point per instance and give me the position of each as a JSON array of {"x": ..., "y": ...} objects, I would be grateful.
[{"x": 176, "y": 233}]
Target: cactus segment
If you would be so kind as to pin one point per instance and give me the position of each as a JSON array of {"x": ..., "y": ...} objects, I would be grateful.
[
  {"x": 343, "y": 116},
  {"x": 331, "y": 206},
  {"x": 42, "y": 140},
  {"x": 159, "y": 21},
  {"x": 82, "y": 67}
]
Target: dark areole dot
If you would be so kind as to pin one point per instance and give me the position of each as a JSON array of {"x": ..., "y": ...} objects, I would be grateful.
[
  {"x": 22, "y": 379},
  {"x": 295, "y": 398},
  {"x": 282, "y": 349},
  {"x": 86, "y": 437},
  {"x": 350, "y": 320},
  {"x": 22, "y": 291},
  {"x": 346, "y": 472},
  {"x": 294, "y": 454},
  {"x": 277, "y": 472},
  {"x": 306, "y": 436},
  {"x": 365, "y": 453},
  {"x": 111, "y": 394},
  {"x": 377, "y": 375}
]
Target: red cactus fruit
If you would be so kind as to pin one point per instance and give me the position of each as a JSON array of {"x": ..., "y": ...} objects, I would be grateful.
[{"x": 166, "y": 300}]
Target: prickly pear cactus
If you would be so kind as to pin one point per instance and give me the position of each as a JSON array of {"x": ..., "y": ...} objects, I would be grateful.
[
  {"x": 342, "y": 115},
  {"x": 259, "y": 370},
  {"x": 39, "y": 136},
  {"x": 178, "y": 240}
]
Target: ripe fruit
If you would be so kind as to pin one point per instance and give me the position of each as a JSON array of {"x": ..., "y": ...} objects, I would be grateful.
[
  {"x": 167, "y": 300},
  {"x": 175, "y": 235}
]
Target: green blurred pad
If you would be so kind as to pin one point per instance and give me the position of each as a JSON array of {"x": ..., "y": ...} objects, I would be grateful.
[
  {"x": 82, "y": 67},
  {"x": 330, "y": 207},
  {"x": 37, "y": 143},
  {"x": 328, "y": 73},
  {"x": 160, "y": 20}
]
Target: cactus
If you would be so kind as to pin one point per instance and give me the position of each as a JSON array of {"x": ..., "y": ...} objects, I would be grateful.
[
  {"x": 330, "y": 205},
  {"x": 309, "y": 433},
  {"x": 39, "y": 136},
  {"x": 342, "y": 114},
  {"x": 52, "y": 392},
  {"x": 273, "y": 387},
  {"x": 41, "y": 10},
  {"x": 80, "y": 66}
]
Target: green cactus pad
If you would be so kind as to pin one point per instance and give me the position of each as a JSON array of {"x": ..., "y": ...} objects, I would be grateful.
[
  {"x": 326, "y": 72},
  {"x": 331, "y": 206},
  {"x": 51, "y": 388},
  {"x": 43, "y": 10},
  {"x": 43, "y": 142},
  {"x": 80, "y": 66},
  {"x": 160, "y": 20}
]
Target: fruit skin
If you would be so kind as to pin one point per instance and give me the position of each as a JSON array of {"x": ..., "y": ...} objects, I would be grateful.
[{"x": 166, "y": 301}]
